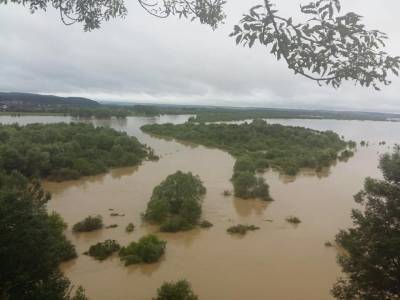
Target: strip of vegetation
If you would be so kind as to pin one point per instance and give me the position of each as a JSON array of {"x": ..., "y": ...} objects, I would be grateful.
[
  {"x": 103, "y": 250},
  {"x": 180, "y": 290},
  {"x": 148, "y": 249},
  {"x": 258, "y": 146},
  {"x": 239, "y": 114},
  {"x": 89, "y": 224},
  {"x": 176, "y": 202},
  {"x": 67, "y": 151},
  {"x": 241, "y": 229}
]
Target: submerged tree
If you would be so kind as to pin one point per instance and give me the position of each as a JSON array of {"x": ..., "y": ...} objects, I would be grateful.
[
  {"x": 176, "y": 202},
  {"x": 371, "y": 257},
  {"x": 328, "y": 47}
]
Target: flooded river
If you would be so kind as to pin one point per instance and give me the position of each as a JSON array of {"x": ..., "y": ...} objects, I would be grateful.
[{"x": 280, "y": 261}]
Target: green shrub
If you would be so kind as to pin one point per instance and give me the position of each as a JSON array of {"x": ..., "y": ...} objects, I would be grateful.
[
  {"x": 175, "y": 224},
  {"x": 206, "y": 224},
  {"x": 247, "y": 185},
  {"x": 148, "y": 249},
  {"x": 89, "y": 224},
  {"x": 293, "y": 220},
  {"x": 130, "y": 227},
  {"x": 241, "y": 229},
  {"x": 103, "y": 250},
  {"x": 112, "y": 226},
  {"x": 180, "y": 290}
]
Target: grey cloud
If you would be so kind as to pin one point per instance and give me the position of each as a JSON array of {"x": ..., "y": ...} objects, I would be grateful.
[{"x": 144, "y": 59}]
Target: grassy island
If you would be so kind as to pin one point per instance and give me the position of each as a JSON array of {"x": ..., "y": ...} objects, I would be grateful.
[
  {"x": 176, "y": 202},
  {"x": 258, "y": 146},
  {"x": 67, "y": 151}
]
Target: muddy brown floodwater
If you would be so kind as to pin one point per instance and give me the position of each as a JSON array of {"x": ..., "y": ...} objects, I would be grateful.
[{"x": 280, "y": 261}]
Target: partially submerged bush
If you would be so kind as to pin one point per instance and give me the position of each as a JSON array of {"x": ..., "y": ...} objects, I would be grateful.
[
  {"x": 117, "y": 215},
  {"x": 176, "y": 203},
  {"x": 89, "y": 224},
  {"x": 148, "y": 249},
  {"x": 345, "y": 155},
  {"x": 241, "y": 229},
  {"x": 103, "y": 250},
  {"x": 206, "y": 224},
  {"x": 227, "y": 193},
  {"x": 112, "y": 226},
  {"x": 130, "y": 227},
  {"x": 175, "y": 224},
  {"x": 293, "y": 220},
  {"x": 180, "y": 290},
  {"x": 247, "y": 185}
]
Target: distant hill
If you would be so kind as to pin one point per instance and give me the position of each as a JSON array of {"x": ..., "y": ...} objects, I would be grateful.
[{"x": 32, "y": 100}]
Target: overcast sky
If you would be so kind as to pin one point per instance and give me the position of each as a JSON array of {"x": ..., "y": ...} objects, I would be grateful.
[{"x": 145, "y": 59}]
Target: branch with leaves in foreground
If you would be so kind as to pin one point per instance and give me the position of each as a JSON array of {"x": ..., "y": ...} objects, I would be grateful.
[
  {"x": 328, "y": 47},
  {"x": 93, "y": 12}
]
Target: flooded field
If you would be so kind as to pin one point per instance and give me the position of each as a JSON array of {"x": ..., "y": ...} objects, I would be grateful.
[{"x": 280, "y": 261}]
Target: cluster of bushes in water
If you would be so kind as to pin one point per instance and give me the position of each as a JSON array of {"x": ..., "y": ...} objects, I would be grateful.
[
  {"x": 89, "y": 224},
  {"x": 258, "y": 146},
  {"x": 180, "y": 290},
  {"x": 241, "y": 229},
  {"x": 103, "y": 250},
  {"x": 67, "y": 151},
  {"x": 148, "y": 249},
  {"x": 176, "y": 202}
]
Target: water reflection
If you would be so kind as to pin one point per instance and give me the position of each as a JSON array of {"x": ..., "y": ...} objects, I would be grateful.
[
  {"x": 145, "y": 269},
  {"x": 121, "y": 172},
  {"x": 248, "y": 207}
]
